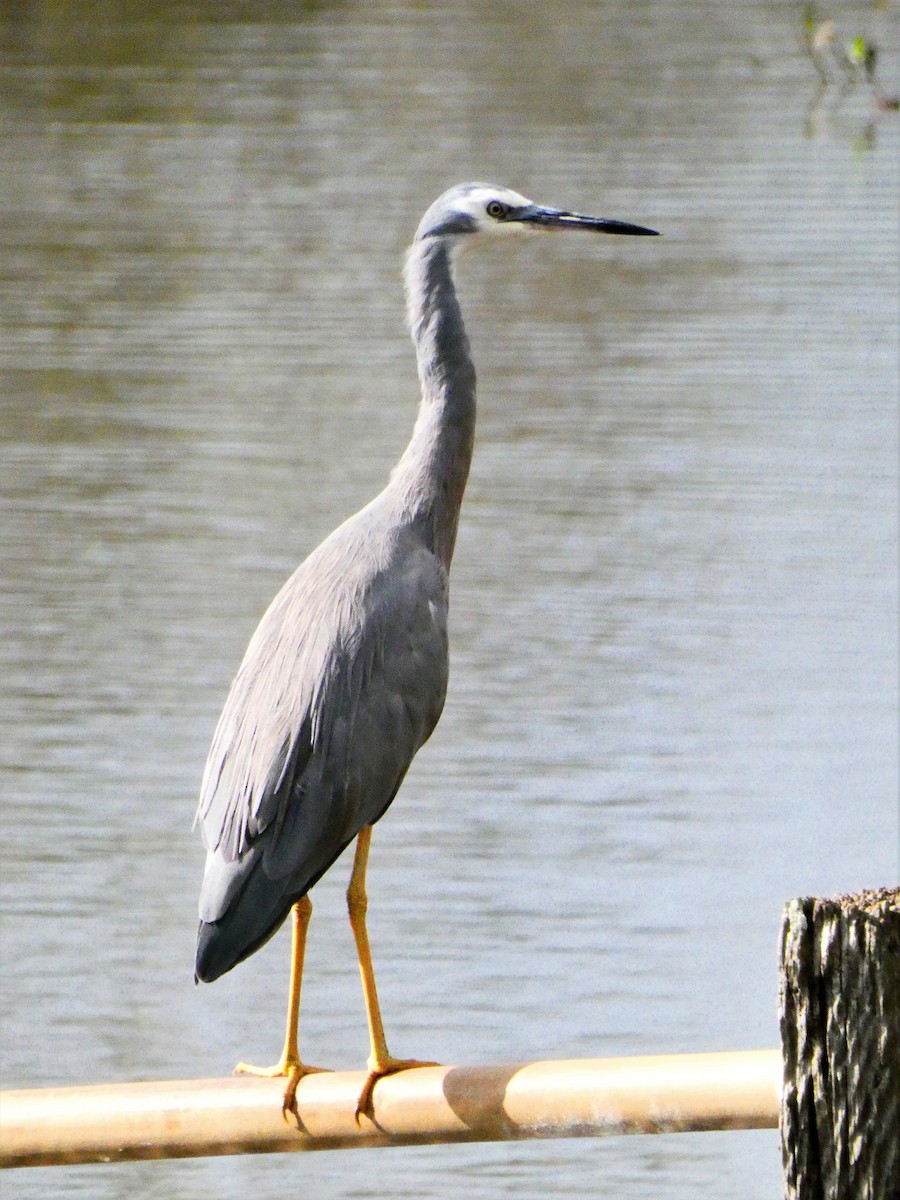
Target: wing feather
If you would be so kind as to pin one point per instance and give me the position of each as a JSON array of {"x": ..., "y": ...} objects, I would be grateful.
[{"x": 341, "y": 684}]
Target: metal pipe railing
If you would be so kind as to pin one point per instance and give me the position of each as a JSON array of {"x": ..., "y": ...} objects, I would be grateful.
[{"x": 576, "y": 1098}]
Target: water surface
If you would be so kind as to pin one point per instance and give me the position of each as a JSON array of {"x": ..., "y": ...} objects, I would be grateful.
[{"x": 673, "y": 702}]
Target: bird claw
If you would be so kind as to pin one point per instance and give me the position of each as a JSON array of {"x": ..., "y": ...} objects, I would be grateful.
[
  {"x": 391, "y": 1066},
  {"x": 292, "y": 1071},
  {"x": 289, "y": 1099}
]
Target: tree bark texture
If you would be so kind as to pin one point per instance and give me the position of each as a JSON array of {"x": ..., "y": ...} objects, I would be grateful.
[{"x": 840, "y": 1033}]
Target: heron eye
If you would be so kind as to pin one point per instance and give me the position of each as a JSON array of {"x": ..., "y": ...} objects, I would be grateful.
[{"x": 496, "y": 208}]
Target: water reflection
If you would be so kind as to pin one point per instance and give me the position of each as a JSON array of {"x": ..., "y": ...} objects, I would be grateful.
[
  {"x": 848, "y": 96},
  {"x": 673, "y": 691}
]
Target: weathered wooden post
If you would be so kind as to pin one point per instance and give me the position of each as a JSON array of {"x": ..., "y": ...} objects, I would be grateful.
[{"x": 840, "y": 1033}]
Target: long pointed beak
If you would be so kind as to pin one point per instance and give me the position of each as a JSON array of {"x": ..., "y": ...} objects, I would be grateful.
[{"x": 536, "y": 217}]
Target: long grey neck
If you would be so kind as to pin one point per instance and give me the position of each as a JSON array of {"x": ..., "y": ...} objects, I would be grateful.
[{"x": 430, "y": 477}]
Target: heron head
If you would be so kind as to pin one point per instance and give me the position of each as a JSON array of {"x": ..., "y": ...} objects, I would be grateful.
[{"x": 481, "y": 208}]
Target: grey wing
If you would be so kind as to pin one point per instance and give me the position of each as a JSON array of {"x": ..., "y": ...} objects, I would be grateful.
[{"x": 322, "y": 722}]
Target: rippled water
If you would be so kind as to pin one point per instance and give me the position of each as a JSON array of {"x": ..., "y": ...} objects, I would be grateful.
[{"x": 674, "y": 669}]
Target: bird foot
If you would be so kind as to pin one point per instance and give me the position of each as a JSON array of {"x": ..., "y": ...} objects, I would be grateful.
[
  {"x": 292, "y": 1069},
  {"x": 386, "y": 1066}
]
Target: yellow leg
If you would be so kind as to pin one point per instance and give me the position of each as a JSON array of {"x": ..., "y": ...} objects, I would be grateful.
[
  {"x": 380, "y": 1062},
  {"x": 289, "y": 1064}
]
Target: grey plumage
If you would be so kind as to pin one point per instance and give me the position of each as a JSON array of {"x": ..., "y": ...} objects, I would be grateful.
[
  {"x": 315, "y": 746},
  {"x": 345, "y": 677}
]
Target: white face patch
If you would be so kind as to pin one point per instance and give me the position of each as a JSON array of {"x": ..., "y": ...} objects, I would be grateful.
[
  {"x": 464, "y": 209},
  {"x": 475, "y": 203}
]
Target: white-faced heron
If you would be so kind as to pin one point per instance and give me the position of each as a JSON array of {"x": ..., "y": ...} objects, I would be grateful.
[{"x": 346, "y": 674}]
